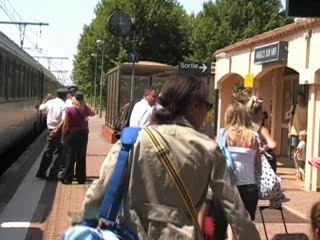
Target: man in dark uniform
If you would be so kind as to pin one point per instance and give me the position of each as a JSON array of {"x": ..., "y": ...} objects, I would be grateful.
[
  {"x": 71, "y": 92},
  {"x": 55, "y": 109}
]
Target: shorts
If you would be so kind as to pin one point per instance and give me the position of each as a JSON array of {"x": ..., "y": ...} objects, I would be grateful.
[
  {"x": 300, "y": 164},
  {"x": 294, "y": 141}
]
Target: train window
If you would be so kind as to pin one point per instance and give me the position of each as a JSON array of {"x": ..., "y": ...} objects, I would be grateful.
[
  {"x": 9, "y": 78},
  {"x": 13, "y": 80},
  {"x": 33, "y": 83},
  {"x": 2, "y": 78},
  {"x": 23, "y": 91},
  {"x": 26, "y": 82},
  {"x": 17, "y": 80},
  {"x": 30, "y": 82}
]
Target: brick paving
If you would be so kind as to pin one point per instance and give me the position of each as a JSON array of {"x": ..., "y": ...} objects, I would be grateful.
[
  {"x": 59, "y": 202},
  {"x": 68, "y": 198}
]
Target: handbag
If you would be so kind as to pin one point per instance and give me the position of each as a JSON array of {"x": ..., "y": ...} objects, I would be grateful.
[
  {"x": 162, "y": 153},
  {"x": 108, "y": 226},
  {"x": 269, "y": 184}
]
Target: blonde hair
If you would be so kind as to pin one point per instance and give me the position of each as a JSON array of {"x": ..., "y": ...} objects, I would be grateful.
[
  {"x": 238, "y": 125},
  {"x": 303, "y": 133},
  {"x": 78, "y": 103},
  {"x": 315, "y": 220},
  {"x": 254, "y": 106}
]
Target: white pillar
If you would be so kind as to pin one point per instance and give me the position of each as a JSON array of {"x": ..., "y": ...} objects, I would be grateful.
[
  {"x": 218, "y": 114},
  {"x": 310, "y": 177}
]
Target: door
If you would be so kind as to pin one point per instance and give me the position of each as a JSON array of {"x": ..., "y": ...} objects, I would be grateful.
[{"x": 291, "y": 88}]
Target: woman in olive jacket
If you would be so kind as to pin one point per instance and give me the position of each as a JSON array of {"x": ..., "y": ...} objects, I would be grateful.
[{"x": 154, "y": 207}]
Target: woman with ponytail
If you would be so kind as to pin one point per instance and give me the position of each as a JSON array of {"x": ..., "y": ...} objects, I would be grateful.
[{"x": 155, "y": 208}]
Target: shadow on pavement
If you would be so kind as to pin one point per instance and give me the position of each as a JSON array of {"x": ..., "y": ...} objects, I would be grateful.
[{"x": 46, "y": 202}]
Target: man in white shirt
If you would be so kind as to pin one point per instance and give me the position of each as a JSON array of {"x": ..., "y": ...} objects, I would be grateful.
[
  {"x": 55, "y": 109},
  {"x": 141, "y": 108}
]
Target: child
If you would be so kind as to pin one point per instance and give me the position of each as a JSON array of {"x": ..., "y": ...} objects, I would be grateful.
[
  {"x": 300, "y": 155},
  {"x": 315, "y": 221}
]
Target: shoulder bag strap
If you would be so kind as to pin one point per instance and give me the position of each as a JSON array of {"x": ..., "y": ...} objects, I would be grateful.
[{"x": 162, "y": 153}]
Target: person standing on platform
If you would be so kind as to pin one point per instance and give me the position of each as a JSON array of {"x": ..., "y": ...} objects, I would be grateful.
[
  {"x": 298, "y": 119},
  {"x": 71, "y": 92},
  {"x": 55, "y": 109},
  {"x": 142, "y": 107},
  {"x": 75, "y": 132}
]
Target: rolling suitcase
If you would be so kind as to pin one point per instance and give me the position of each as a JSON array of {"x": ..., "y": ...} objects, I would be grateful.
[{"x": 286, "y": 235}]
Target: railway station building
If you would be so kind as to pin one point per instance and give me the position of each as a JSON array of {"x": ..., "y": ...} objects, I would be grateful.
[{"x": 275, "y": 66}]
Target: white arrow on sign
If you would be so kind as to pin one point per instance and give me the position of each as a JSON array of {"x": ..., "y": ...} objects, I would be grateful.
[{"x": 203, "y": 67}]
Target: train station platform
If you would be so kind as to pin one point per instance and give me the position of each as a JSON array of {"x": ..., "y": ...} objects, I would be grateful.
[{"x": 35, "y": 209}]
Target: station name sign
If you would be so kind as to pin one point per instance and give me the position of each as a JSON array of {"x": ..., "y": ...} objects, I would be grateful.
[
  {"x": 202, "y": 69},
  {"x": 273, "y": 53}
]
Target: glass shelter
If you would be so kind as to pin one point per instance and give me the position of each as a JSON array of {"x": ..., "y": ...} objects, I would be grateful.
[{"x": 119, "y": 84}]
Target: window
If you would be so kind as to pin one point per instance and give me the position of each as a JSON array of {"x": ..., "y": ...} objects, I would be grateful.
[
  {"x": 28, "y": 82},
  {"x": 23, "y": 86},
  {"x": 9, "y": 78},
  {"x": 2, "y": 78},
  {"x": 17, "y": 80}
]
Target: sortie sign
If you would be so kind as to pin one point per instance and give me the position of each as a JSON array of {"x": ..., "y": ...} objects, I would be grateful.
[{"x": 201, "y": 69}]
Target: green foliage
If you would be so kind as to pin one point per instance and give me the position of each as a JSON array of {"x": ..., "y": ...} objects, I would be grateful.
[
  {"x": 166, "y": 33},
  {"x": 225, "y": 22},
  {"x": 161, "y": 36}
]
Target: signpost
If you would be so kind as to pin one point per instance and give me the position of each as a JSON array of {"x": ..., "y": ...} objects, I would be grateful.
[
  {"x": 200, "y": 69},
  {"x": 273, "y": 53},
  {"x": 133, "y": 57},
  {"x": 249, "y": 80},
  {"x": 121, "y": 24}
]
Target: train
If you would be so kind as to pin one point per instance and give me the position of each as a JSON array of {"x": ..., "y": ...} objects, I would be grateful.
[{"x": 24, "y": 83}]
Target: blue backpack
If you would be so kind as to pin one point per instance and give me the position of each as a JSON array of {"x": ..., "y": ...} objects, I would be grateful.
[
  {"x": 226, "y": 153},
  {"x": 107, "y": 227}
]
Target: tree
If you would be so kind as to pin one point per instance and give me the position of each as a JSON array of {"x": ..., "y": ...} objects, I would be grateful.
[
  {"x": 161, "y": 35},
  {"x": 225, "y": 22}
]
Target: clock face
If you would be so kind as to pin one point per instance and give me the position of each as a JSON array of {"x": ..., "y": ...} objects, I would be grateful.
[{"x": 120, "y": 23}]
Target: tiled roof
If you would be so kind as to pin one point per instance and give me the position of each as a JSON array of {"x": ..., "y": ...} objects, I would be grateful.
[{"x": 272, "y": 35}]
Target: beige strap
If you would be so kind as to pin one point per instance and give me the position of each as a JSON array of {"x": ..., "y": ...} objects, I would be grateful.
[{"x": 162, "y": 153}]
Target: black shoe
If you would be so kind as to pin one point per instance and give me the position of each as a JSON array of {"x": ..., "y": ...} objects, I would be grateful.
[
  {"x": 41, "y": 176},
  {"x": 52, "y": 179},
  {"x": 66, "y": 182},
  {"x": 60, "y": 176}
]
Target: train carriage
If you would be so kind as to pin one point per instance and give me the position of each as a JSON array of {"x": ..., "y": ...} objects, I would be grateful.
[{"x": 23, "y": 84}]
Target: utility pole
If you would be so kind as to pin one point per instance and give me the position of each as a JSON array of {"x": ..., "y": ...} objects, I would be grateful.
[
  {"x": 61, "y": 80},
  {"x": 95, "y": 80},
  {"x": 102, "y": 44},
  {"x": 50, "y": 58},
  {"x": 22, "y": 28}
]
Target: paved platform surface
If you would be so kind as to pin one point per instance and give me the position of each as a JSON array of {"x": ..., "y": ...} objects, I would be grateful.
[{"x": 36, "y": 209}]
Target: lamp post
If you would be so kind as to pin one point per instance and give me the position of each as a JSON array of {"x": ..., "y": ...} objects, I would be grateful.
[
  {"x": 101, "y": 43},
  {"x": 95, "y": 81}
]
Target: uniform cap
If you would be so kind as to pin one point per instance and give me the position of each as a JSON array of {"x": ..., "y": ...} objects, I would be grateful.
[
  {"x": 62, "y": 90},
  {"x": 79, "y": 96},
  {"x": 73, "y": 89}
]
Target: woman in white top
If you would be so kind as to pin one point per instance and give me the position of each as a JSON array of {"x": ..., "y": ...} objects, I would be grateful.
[{"x": 243, "y": 144}]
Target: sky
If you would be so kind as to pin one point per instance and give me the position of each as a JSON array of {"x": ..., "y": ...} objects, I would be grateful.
[{"x": 66, "y": 19}]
